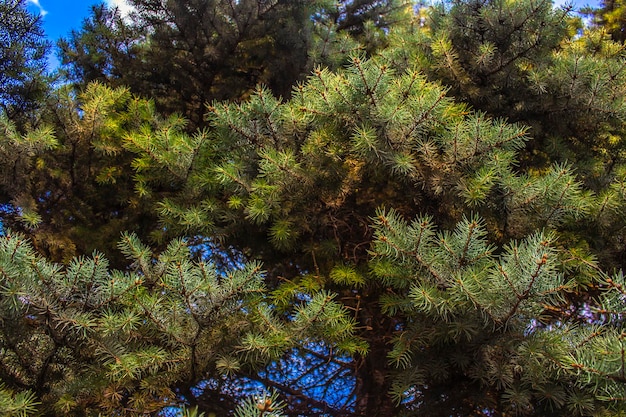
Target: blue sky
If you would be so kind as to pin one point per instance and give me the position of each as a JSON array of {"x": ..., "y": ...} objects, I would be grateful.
[{"x": 61, "y": 16}]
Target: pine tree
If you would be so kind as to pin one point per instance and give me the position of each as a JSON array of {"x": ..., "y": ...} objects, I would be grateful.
[
  {"x": 611, "y": 16},
  {"x": 104, "y": 46},
  {"x": 368, "y": 136},
  {"x": 530, "y": 63},
  {"x": 186, "y": 53},
  {"x": 421, "y": 255},
  {"x": 67, "y": 183},
  {"x": 84, "y": 339},
  {"x": 23, "y": 62}
]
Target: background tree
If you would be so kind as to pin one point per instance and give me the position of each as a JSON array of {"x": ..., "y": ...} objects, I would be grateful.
[
  {"x": 186, "y": 53},
  {"x": 483, "y": 49},
  {"x": 611, "y": 16},
  {"x": 104, "y": 46},
  {"x": 23, "y": 82}
]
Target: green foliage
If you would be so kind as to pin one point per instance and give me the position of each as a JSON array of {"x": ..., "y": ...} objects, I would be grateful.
[
  {"x": 107, "y": 338},
  {"x": 192, "y": 412},
  {"x": 23, "y": 74},
  {"x": 88, "y": 315},
  {"x": 457, "y": 271},
  {"x": 266, "y": 405},
  {"x": 346, "y": 275},
  {"x": 480, "y": 304},
  {"x": 101, "y": 49},
  {"x": 368, "y": 135},
  {"x": 346, "y": 27},
  {"x": 101, "y": 339},
  {"x": 610, "y": 16},
  {"x": 68, "y": 182},
  {"x": 396, "y": 125},
  {"x": 21, "y": 404},
  {"x": 483, "y": 49},
  {"x": 235, "y": 46},
  {"x": 523, "y": 61},
  {"x": 493, "y": 126}
]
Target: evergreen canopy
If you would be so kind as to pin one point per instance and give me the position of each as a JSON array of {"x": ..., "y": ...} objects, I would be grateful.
[
  {"x": 22, "y": 60},
  {"x": 429, "y": 223}
]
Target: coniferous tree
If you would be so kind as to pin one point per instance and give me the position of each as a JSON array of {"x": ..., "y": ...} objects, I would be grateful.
[
  {"x": 611, "y": 16},
  {"x": 83, "y": 339},
  {"x": 68, "y": 183},
  {"x": 186, "y": 53},
  {"x": 525, "y": 61},
  {"x": 104, "y": 47},
  {"x": 23, "y": 50},
  {"x": 368, "y": 136},
  {"x": 429, "y": 258}
]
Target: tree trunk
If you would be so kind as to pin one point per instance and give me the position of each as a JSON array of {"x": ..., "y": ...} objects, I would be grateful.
[{"x": 373, "y": 381}]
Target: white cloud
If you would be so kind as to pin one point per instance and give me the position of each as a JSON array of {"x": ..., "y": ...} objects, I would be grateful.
[
  {"x": 42, "y": 11},
  {"x": 122, "y": 5}
]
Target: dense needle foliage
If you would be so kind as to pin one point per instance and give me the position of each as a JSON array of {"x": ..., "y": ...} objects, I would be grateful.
[
  {"x": 23, "y": 81},
  {"x": 355, "y": 208}
]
